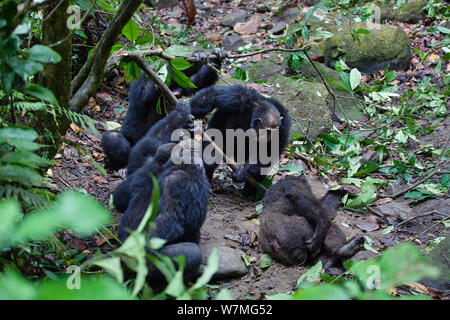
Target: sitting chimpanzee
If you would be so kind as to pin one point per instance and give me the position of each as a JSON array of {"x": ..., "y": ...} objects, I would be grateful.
[
  {"x": 184, "y": 191},
  {"x": 239, "y": 107},
  {"x": 296, "y": 227},
  {"x": 142, "y": 112}
]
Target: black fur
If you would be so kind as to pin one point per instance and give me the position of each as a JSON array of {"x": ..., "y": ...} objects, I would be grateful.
[
  {"x": 142, "y": 112},
  {"x": 158, "y": 135},
  {"x": 239, "y": 107},
  {"x": 184, "y": 192}
]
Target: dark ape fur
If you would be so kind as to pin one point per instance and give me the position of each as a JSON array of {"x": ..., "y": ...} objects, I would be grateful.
[
  {"x": 239, "y": 107},
  {"x": 296, "y": 227},
  {"x": 184, "y": 192},
  {"x": 142, "y": 112},
  {"x": 158, "y": 135}
]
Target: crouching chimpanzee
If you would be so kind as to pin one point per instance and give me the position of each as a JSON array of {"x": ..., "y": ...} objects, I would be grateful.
[
  {"x": 184, "y": 191},
  {"x": 142, "y": 112},
  {"x": 296, "y": 227},
  {"x": 239, "y": 107}
]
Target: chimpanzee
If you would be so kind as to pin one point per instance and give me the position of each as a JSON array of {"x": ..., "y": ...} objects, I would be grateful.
[
  {"x": 160, "y": 133},
  {"x": 239, "y": 107},
  {"x": 142, "y": 112},
  {"x": 296, "y": 227},
  {"x": 184, "y": 192}
]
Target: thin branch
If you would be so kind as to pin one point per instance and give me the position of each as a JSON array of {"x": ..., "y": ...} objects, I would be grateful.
[
  {"x": 237, "y": 56},
  {"x": 233, "y": 165},
  {"x": 428, "y": 176},
  {"x": 428, "y": 229}
]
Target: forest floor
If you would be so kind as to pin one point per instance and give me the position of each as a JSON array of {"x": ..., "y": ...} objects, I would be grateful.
[{"x": 231, "y": 220}]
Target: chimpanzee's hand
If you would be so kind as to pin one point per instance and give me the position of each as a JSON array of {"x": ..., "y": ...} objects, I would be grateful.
[
  {"x": 217, "y": 57},
  {"x": 200, "y": 57},
  {"x": 163, "y": 152},
  {"x": 241, "y": 174}
]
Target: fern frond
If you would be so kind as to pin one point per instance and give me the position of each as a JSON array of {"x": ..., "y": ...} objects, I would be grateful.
[{"x": 31, "y": 199}]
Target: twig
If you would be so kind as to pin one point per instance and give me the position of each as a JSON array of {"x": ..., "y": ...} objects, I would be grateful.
[
  {"x": 416, "y": 217},
  {"x": 237, "y": 56},
  {"x": 331, "y": 92},
  {"x": 428, "y": 229},
  {"x": 305, "y": 133},
  {"x": 230, "y": 162},
  {"x": 428, "y": 176}
]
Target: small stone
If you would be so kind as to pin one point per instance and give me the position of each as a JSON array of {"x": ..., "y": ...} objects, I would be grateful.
[
  {"x": 232, "y": 42},
  {"x": 214, "y": 36},
  {"x": 278, "y": 28},
  {"x": 249, "y": 27},
  {"x": 230, "y": 261},
  {"x": 233, "y": 18},
  {"x": 261, "y": 8}
]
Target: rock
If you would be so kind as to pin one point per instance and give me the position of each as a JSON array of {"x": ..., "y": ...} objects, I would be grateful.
[
  {"x": 261, "y": 8},
  {"x": 161, "y": 4},
  {"x": 289, "y": 15},
  {"x": 411, "y": 11},
  {"x": 232, "y": 42},
  {"x": 214, "y": 36},
  {"x": 230, "y": 261},
  {"x": 249, "y": 27},
  {"x": 352, "y": 107},
  {"x": 385, "y": 45},
  {"x": 278, "y": 28},
  {"x": 395, "y": 208},
  {"x": 441, "y": 206},
  {"x": 264, "y": 69},
  {"x": 233, "y": 18},
  {"x": 439, "y": 257},
  {"x": 307, "y": 104}
]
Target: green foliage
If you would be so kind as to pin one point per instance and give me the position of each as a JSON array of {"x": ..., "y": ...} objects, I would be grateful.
[
  {"x": 19, "y": 167},
  {"x": 373, "y": 279}
]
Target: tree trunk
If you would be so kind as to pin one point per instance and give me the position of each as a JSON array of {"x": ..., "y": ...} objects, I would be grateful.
[{"x": 56, "y": 77}]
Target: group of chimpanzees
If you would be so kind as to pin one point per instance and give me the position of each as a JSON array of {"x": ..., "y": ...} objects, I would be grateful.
[{"x": 295, "y": 226}]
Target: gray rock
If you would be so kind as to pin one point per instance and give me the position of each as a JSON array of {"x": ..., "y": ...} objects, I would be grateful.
[
  {"x": 232, "y": 42},
  {"x": 233, "y": 18},
  {"x": 161, "y": 4},
  {"x": 261, "y": 8},
  {"x": 278, "y": 28},
  {"x": 410, "y": 11},
  {"x": 395, "y": 208},
  {"x": 230, "y": 261},
  {"x": 385, "y": 45}
]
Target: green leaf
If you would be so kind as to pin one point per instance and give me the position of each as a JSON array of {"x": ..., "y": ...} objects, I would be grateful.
[
  {"x": 180, "y": 64},
  {"x": 309, "y": 278},
  {"x": 445, "y": 180},
  {"x": 330, "y": 141},
  {"x": 224, "y": 294},
  {"x": 367, "y": 168},
  {"x": 367, "y": 196},
  {"x": 211, "y": 268},
  {"x": 181, "y": 79},
  {"x": 291, "y": 167},
  {"x": 25, "y": 68},
  {"x": 41, "y": 93},
  {"x": 396, "y": 266},
  {"x": 265, "y": 261},
  {"x": 111, "y": 266},
  {"x": 362, "y": 31},
  {"x": 20, "y": 138},
  {"x": 131, "y": 31},
  {"x": 321, "y": 292},
  {"x": 355, "y": 78},
  {"x": 23, "y": 175},
  {"x": 177, "y": 50},
  {"x": 10, "y": 215},
  {"x": 44, "y": 54}
]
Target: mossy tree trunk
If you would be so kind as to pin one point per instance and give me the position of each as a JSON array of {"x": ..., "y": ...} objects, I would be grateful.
[{"x": 56, "y": 77}]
